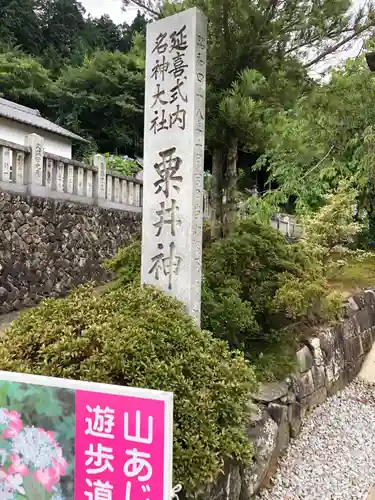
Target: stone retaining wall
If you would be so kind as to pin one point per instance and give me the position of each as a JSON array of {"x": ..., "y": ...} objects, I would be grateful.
[
  {"x": 331, "y": 358},
  {"x": 49, "y": 246}
]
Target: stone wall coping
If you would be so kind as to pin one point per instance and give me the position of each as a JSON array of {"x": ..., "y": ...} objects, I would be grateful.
[
  {"x": 119, "y": 175},
  {"x": 69, "y": 161},
  {"x": 14, "y": 145}
]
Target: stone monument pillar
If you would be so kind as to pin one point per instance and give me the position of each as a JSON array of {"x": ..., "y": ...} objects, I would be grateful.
[{"x": 174, "y": 157}]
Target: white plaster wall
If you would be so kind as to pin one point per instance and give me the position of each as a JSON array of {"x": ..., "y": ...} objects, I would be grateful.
[{"x": 16, "y": 132}]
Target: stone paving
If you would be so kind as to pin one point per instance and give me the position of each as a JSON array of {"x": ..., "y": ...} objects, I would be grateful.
[{"x": 7, "y": 319}]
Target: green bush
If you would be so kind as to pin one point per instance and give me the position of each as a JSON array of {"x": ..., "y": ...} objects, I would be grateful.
[
  {"x": 141, "y": 337},
  {"x": 255, "y": 285},
  {"x": 256, "y": 260},
  {"x": 123, "y": 164},
  {"x": 126, "y": 265}
]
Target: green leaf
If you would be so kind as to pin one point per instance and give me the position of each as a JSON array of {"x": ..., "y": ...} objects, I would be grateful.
[
  {"x": 3, "y": 394},
  {"x": 34, "y": 490}
]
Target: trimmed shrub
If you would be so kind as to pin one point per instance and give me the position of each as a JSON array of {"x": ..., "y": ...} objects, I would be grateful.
[
  {"x": 255, "y": 285},
  {"x": 252, "y": 264},
  {"x": 126, "y": 265},
  {"x": 141, "y": 337}
]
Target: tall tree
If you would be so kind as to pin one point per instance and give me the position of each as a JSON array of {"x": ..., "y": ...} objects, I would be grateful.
[
  {"x": 20, "y": 25},
  {"x": 103, "y": 100},
  {"x": 325, "y": 138},
  {"x": 24, "y": 80},
  {"x": 62, "y": 24},
  {"x": 102, "y": 34},
  {"x": 138, "y": 25},
  {"x": 271, "y": 37}
]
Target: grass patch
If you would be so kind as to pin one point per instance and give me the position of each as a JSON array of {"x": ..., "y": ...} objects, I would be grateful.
[
  {"x": 355, "y": 276},
  {"x": 275, "y": 361}
]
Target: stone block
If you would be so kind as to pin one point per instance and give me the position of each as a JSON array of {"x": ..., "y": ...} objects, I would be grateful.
[
  {"x": 289, "y": 398},
  {"x": 296, "y": 414},
  {"x": 279, "y": 413},
  {"x": 319, "y": 376},
  {"x": 316, "y": 398},
  {"x": 304, "y": 385},
  {"x": 228, "y": 484},
  {"x": 264, "y": 439},
  {"x": 352, "y": 349},
  {"x": 350, "y": 327},
  {"x": 352, "y": 369},
  {"x": 327, "y": 343},
  {"x": 305, "y": 359},
  {"x": 271, "y": 391},
  {"x": 351, "y": 306},
  {"x": 370, "y": 298},
  {"x": 364, "y": 319},
  {"x": 366, "y": 340},
  {"x": 360, "y": 300},
  {"x": 317, "y": 353}
]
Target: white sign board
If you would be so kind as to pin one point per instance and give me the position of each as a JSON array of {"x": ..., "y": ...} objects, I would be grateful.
[{"x": 73, "y": 440}]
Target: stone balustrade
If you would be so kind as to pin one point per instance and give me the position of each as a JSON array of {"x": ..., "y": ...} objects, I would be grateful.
[{"x": 29, "y": 170}]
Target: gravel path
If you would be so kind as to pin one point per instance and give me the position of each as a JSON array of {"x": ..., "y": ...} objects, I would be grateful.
[{"x": 334, "y": 456}]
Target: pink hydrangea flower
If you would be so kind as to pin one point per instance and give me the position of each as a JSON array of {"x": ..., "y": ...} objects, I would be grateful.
[
  {"x": 41, "y": 454},
  {"x": 10, "y": 484},
  {"x": 12, "y": 422},
  {"x": 60, "y": 466},
  {"x": 47, "y": 478},
  {"x": 18, "y": 467}
]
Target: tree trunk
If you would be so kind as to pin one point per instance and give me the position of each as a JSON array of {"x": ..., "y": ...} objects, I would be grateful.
[
  {"x": 217, "y": 194},
  {"x": 371, "y": 208},
  {"x": 230, "y": 211}
]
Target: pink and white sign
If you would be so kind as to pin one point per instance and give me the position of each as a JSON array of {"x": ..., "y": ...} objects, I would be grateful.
[{"x": 120, "y": 446}]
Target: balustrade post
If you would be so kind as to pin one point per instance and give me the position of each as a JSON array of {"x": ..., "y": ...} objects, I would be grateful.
[
  {"x": 35, "y": 167},
  {"x": 5, "y": 164},
  {"x": 100, "y": 189}
]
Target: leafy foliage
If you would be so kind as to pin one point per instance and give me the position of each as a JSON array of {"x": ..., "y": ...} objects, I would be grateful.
[
  {"x": 123, "y": 164},
  {"x": 255, "y": 69},
  {"x": 333, "y": 224},
  {"x": 48, "y": 408},
  {"x": 327, "y": 138},
  {"x": 140, "y": 337},
  {"x": 77, "y": 71},
  {"x": 126, "y": 265},
  {"x": 20, "y": 25},
  {"x": 107, "y": 89},
  {"x": 256, "y": 286},
  {"x": 23, "y": 79},
  {"x": 259, "y": 266}
]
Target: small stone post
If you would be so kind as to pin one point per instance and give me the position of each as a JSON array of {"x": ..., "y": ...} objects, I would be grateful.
[
  {"x": 5, "y": 164},
  {"x": 101, "y": 185},
  {"x": 35, "y": 167},
  {"x": 20, "y": 168}
]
